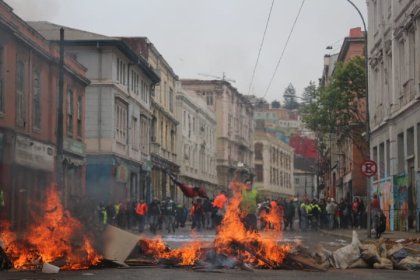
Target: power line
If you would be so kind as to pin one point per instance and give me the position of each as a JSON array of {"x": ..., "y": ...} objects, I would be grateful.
[
  {"x": 261, "y": 45},
  {"x": 284, "y": 48}
]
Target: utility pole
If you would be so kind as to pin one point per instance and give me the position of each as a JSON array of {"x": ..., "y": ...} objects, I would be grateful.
[
  {"x": 369, "y": 234},
  {"x": 60, "y": 117}
]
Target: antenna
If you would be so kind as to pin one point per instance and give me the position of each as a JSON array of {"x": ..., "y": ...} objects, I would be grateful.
[{"x": 223, "y": 78}]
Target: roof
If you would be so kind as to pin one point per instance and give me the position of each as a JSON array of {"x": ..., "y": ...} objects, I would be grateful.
[
  {"x": 75, "y": 37},
  {"x": 47, "y": 29}
]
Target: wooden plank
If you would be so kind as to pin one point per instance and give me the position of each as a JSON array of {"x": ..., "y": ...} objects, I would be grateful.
[{"x": 118, "y": 244}]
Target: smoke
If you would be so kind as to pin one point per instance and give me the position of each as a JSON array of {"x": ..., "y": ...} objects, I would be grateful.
[{"x": 34, "y": 9}]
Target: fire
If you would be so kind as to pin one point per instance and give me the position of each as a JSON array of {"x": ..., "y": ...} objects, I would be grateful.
[
  {"x": 186, "y": 255},
  {"x": 54, "y": 237},
  {"x": 232, "y": 239},
  {"x": 232, "y": 235}
]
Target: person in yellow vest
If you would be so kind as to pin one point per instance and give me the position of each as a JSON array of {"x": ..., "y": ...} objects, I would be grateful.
[{"x": 248, "y": 206}]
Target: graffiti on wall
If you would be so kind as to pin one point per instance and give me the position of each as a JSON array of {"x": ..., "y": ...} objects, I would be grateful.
[{"x": 401, "y": 202}]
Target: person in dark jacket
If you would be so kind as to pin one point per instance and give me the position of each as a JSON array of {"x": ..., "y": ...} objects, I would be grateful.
[{"x": 154, "y": 214}]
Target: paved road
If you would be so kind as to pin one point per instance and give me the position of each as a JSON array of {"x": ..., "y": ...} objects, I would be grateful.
[
  {"x": 187, "y": 274},
  {"x": 309, "y": 239}
]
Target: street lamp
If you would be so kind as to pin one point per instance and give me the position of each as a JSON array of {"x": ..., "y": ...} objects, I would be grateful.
[{"x": 367, "y": 112}]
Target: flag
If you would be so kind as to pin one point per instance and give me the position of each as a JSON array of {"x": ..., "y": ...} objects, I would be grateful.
[{"x": 188, "y": 190}]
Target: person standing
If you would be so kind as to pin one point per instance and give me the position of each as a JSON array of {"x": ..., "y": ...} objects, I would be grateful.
[
  {"x": 207, "y": 207},
  {"x": 331, "y": 209},
  {"x": 219, "y": 204},
  {"x": 198, "y": 214},
  {"x": 154, "y": 214},
  {"x": 289, "y": 214},
  {"x": 141, "y": 211},
  {"x": 248, "y": 206},
  {"x": 375, "y": 211},
  {"x": 168, "y": 213}
]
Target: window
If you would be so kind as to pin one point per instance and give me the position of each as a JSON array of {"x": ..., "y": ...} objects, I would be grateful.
[
  {"x": 120, "y": 121},
  {"x": 144, "y": 134},
  {"x": 20, "y": 96},
  {"x": 121, "y": 72},
  {"x": 171, "y": 100},
  {"x": 258, "y": 151},
  {"x": 1, "y": 80},
  {"x": 134, "y": 133},
  {"x": 70, "y": 112},
  {"x": 259, "y": 173},
  {"x": 209, "y": 98},
  {"x": 400, "y": 152},
  {"x": 79, "y": 115},
  {"x": 36, "y": 100}
]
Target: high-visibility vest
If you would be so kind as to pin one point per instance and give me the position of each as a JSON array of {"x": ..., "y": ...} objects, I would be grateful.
[
  {"x": 141, "y": 209},
  {"x": 219, "y": 201},
  {"x": 249, "y": 201}
]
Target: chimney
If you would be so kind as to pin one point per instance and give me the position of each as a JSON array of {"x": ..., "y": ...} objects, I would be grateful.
[{"x": 356, "y": 32}]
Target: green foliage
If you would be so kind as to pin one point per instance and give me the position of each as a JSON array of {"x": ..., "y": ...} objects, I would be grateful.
[
  {"x": 334, "y": 108},
  {"x": 289, "y": 96}
]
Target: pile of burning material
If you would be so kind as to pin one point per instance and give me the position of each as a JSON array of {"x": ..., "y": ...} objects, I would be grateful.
[
  {"x": 55, "y": 237},
  {"x": 234, "y": 245}
]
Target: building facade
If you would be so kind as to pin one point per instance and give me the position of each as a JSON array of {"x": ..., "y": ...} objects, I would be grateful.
[
  {"x": 164, "y": 154},
  {"x": 345, "y": 155},
  {"x": 394, "y": 106},
  {"x": 196, "y": 142},
  {"x": 305, "y": 184},
  {"x": 118, "y": 113},
  {"x": 29, "y": 73},
  {"x": 273, "y": 166},
  {"x": 234, "y": 129}
]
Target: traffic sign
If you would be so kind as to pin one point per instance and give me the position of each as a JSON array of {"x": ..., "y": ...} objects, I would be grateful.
[{"x": 369, "y": 168}]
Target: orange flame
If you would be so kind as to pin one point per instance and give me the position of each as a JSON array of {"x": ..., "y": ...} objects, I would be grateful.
[
  {"x": 230, "y": 234},
  {"x": 232, "y": 230},
  {"x": 187, "y": 254},
  {"x": 56, "y": 236}
]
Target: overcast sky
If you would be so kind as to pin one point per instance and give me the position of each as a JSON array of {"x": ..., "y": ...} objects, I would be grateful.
[{"x": 217, "y": 36}]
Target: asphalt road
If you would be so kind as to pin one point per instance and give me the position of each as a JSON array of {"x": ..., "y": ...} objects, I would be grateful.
[
  {"x": 186, "y": 274},
  {"x": 309, "y": 239}
]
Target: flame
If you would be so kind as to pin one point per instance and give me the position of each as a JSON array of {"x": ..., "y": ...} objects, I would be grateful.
[
  {"x": 55, "y": 236},
  {"x": 231, "y": 239},
  {"x": 232, "y": 231},
  {"x": 186, "y": 255}
]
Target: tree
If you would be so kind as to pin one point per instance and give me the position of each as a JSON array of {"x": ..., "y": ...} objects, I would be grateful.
[
  {"x": 309, "y": 92},
  {"x": 335, "y": 107},
  {"x": 275, "y": 104},
  {"x": 289, "y": 96}
]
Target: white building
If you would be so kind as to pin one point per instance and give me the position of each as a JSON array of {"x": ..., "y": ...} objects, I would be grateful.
[
  {"x": 118, "y": 113},
  {"x": 196, "y": 142},
  {"x": 305, "y": 184},
  {"x": 273, "y": 166},
  {"x": 394, "y": 107}
]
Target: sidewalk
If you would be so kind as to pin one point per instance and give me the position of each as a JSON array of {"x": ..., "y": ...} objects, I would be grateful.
[{"x": 362, "y": 233}]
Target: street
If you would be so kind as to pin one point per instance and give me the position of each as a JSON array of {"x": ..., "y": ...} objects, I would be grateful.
[{"x": 183, "y": 236}]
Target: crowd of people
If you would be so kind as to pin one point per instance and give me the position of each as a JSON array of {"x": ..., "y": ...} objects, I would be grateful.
[{"x": 204, "y": 213}]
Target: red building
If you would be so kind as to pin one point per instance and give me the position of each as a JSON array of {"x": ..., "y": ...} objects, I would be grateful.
[{"x": 28, "y": 118}]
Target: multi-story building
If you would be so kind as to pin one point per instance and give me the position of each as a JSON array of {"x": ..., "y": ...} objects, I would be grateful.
[
  {"x": 118, "y": 113},
  {"x": 29, "y": 85},
  {"x": 164, "y": 124},
  {"x": 343, "y": 177},
  {"x": 196, "y": 142},
  {"x": 273, "y": 166},
  {"x": 394, "y": 107},
  {"x": 305, "y": 184},
  {"x": 234, "y": 129}
]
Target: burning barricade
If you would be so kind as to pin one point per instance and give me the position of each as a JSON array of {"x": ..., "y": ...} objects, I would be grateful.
[{"x": 55, "y": 238}]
